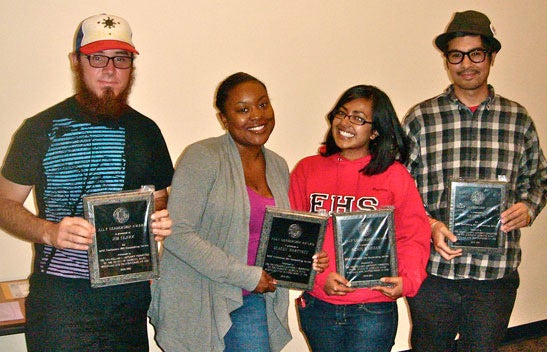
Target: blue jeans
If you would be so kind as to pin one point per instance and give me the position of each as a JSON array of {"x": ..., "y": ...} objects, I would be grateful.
[
  {"x": 249, "y": 331},
  {"x": 478, "y": 310},
  {"x": 352, "y": 327}
]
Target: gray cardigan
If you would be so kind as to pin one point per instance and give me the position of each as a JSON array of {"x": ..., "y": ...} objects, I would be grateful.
[{"x": 204, "y": 262}]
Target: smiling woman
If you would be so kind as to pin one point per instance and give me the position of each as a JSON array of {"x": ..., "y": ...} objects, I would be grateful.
[
  {"x": 248, "y": 116},
  {"x": 211, "y": 204},
  {"x": 218, "y": 199},
  {"x": 353, "y": 135},
  {"x": 360, "y": 169}
]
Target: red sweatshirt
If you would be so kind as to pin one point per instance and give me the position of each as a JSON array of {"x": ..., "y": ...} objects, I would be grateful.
[{"x": 334, "y": 184}]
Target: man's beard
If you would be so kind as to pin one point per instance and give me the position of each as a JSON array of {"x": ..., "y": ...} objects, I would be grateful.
[{"x": 107, "y": 107}]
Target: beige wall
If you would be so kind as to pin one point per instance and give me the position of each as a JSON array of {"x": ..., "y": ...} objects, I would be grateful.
[{"x": 307, "y": 52}]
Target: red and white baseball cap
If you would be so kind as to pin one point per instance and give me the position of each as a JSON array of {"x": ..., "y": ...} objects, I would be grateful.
[{"x": 103, "y": 32}]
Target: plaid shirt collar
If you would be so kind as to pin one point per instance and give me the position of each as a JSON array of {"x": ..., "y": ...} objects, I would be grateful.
[{"x": 453, "y": 99}]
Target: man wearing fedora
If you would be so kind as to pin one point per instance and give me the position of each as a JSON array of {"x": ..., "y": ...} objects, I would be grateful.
[
  {"x": 89, "y": 143},
  {"x": 470, "y": 132}
]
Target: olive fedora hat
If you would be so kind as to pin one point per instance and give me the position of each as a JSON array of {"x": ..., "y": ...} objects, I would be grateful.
[{"x": 469, "y": 22}]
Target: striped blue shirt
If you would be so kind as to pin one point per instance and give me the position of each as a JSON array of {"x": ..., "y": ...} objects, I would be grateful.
[
  {"x": 65, "y": 157},
  {"x": 82, "y": 159}
]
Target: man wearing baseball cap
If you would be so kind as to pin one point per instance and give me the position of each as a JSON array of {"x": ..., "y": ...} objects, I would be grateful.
[
  {"x": 89, "y": 143},
  {"x": 469, "y": 132}
]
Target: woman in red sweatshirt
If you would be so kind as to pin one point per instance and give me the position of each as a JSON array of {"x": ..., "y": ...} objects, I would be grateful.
[{"x": 360, "y": 167}]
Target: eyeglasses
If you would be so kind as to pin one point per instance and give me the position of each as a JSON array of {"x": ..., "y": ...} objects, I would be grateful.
[
  {"x": 476, "y": 55},
  {"x": 354, "y": 119},
  {"x": 100, "y": 61}
]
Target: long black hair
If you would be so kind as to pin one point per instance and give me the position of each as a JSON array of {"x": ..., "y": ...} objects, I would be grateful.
[{"x": 391, "y": 143}]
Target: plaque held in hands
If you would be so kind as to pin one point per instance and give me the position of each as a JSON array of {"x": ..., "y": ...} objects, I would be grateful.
[
  {"x": 365, "y": 246},
  {"x": 475, "y": 215},
  {"x": 123, "y": 249},
  {"x": 288, "y": 241}
]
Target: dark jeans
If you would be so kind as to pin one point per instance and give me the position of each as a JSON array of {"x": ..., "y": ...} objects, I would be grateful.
[
  {"x": 68, "y": 315},
  {"x": 478, "y": 310},
  {"x": 367, "y": 327},
  {"x": 249, "y": 330}
]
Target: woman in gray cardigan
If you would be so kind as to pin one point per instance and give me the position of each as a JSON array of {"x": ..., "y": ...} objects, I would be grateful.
[{"x": 210, "y": 296}]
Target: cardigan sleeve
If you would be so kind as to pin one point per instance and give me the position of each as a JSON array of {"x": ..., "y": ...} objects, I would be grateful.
[{"x": 197, "y": 240}]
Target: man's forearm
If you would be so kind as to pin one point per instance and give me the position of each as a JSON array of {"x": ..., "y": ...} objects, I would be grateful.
[{"x": 18, "y": 221}]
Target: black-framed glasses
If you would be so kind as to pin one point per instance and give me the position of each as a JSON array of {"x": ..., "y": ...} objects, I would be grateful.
[
  {"x": 354, "y": 119},
  {"x": 100, "y": 61},
  {"x": 476, "y": 55}
]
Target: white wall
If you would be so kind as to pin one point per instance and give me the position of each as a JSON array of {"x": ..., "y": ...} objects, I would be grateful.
[{"x": 307, "y": 52}]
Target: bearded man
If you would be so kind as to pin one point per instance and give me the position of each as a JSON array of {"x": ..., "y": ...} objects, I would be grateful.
[{"x": 89, "y": 143}]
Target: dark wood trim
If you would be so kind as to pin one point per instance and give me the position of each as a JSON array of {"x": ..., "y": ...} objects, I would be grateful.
[
  {"x": 525, "y": 332},
  {"x": 522, "y": 332},
  {"x": 12, "y": 329}
]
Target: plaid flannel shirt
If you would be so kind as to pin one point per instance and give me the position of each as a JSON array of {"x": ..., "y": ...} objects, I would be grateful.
[{"x": 496, "y": 142}]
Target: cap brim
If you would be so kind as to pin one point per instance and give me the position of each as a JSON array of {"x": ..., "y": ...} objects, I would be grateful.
[{"x": 101, "y": 45}]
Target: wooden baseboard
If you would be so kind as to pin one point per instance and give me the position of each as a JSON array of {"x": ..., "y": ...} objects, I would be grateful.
[
  {"x": 525, "y": 332},
  {"x": 522, "y": 332}
]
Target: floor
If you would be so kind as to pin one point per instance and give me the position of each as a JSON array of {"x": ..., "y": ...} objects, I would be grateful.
[{"x": 533, "y": 345}]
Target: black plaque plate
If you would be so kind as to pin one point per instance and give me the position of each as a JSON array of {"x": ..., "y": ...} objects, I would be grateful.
[
  {"x": 123, "y": 249},
  {"x": 288, "y": 242},
  {"x": 365, "y": 246},
  {"x": 475, "y": 215}
]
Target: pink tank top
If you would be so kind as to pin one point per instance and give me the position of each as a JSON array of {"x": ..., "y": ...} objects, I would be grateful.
[{"x": 258, "y": 209}]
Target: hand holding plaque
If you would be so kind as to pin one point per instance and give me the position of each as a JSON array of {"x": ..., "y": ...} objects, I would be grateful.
[
  {"x": 288, "y": 242},
  {"x": 365, "y": 247},
  {"x": 475, "y": 215},
  {"x": 123, "y": 249}
]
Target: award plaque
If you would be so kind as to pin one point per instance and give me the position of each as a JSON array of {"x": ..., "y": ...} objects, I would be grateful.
[
  {"x": 475, "y": 215},
  {"x": 123, "y": 249},
  {"x": 365, "y": 246},
  {"x": 288, "y": 242}
]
